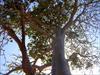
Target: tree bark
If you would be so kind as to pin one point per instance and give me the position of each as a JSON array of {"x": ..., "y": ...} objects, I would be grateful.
[
  {"x": 26, "y": 66},
  {"x": 59, "y": 64}
]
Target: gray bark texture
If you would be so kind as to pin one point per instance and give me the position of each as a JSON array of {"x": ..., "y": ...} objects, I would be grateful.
[{"x": 59, "y": 64}]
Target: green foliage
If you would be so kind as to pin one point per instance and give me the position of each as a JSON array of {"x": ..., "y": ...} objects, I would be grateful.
[
  {"x": 31, "y": 53},
  {"x": 75, "y": 61}
]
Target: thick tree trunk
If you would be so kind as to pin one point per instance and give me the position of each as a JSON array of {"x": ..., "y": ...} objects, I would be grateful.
[{"x": 59, "y": 64}]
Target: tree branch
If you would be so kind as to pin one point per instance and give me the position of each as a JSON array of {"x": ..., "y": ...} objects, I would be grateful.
[
  {"x": 11, "y": 33},
  {"x": 80, "y": 14},
  {"x": 86, "y": 4},
  {"x": 71, "y": 17},
  {"x": 16, "y": 68},
  {"x": 40, "y": 68},
  {"x": 22, "y": 25},
  {"x": 85, "y": 56},
  {"x": 27, "y": 68}
]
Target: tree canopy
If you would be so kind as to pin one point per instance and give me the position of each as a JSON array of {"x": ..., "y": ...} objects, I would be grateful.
[{"x": 39, "y": 20}]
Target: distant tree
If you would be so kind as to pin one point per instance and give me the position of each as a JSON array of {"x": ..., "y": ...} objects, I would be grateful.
[{"x": 48, "y": 24}]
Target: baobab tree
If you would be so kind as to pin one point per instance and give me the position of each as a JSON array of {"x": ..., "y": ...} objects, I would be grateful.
[{"x": 53, "y": 20}]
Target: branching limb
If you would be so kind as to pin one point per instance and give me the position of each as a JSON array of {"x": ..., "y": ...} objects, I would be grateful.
[
  {"x": 75, "y": 7},
  {"x": 17, "y": 68},
  {"x": 11, "y": 33},
  {"x": 91, "y": 2},
  {"x": 40, "y": 68},
  {"x": 80, "y": 14}
]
